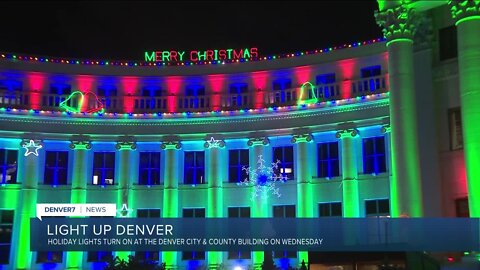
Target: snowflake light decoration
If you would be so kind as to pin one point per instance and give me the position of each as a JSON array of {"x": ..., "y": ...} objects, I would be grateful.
[{"x": 263, "y": 178}]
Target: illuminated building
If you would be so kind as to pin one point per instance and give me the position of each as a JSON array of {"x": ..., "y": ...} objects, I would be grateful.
[{"x": 388, "y": 129}]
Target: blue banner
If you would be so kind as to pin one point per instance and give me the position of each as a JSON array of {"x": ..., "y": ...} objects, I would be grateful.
[{"x": 255, "y": 234}]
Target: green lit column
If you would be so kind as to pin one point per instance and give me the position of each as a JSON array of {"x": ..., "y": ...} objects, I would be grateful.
[
  {"x": 124, "y": 170},
  {"x": 405, "y": 189},
  {"x": 467, "y": 19},
  {"x": 28, "y": 175},
  {"x": 303, "y": 174},
  {"x": 80, "y": 146},
  {"x": 170, "y": 191},
  {"x": 259, "y": 204},
  {"x": 215, "y": 176},
  {"x": 351, "y": 203}
]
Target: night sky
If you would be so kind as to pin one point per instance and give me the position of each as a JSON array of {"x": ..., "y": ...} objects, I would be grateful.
[{"x": 113, "y": 30}]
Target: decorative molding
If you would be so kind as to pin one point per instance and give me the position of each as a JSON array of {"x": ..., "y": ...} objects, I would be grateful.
[
  {"x": 301, "y": 138},
  {"x": 175, "y": 145},
  {"x": 80, "y": 142},
  {"x": 424, "y": 33},
  {"x": 347, "y": 133},
  {"x": 386, "y": 129},
  {"x": 397, "y": 22},
  {"x": 212, "y": 143},
  {"x": 258, "y": 141},
  {"x": 126, "y": 143},
  {"x": 462, "y": 9}
]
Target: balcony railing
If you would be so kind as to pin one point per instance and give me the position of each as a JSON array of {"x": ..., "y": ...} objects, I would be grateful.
[{"x": 254, "y": 98}]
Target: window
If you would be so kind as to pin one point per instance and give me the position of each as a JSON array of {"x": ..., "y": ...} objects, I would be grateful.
[
  {"x": 103, "y": 168},
  {"x": 6, "y": 229},
  {"x": 195, "y": 90},
  {"x": 285, "y": 156},
  {"x": 461, "y": 207},
  {"x": 374, "y": 161},
  {"x": 377, "y": 207},
  {"x": 56, "y": 168},
  {"x": 447, "y": 48},
  {"x": 239, "y": 212},
  {"x": 8, "y": 166},
  {"x": 455, "y": 128},
  {"x": 325, "y": 78},
  {"x": 148, "y": 256},
  {"x": 238, "y": 88},
  {"x": 12, "y": 85},
  {"x": 107, "y": 90},
  {"x": 148, "y": 213},
  {"x": 194, "y": 171},
  {"x": 281, "y": 85},
  {"x": 332, "y": 209},
  {"x": 151, "y": 91},
  {"x": 372, "y": 71},
  {"x": 284, "y": 211},
  {"x": 60, "y": 89},
  {"x": 99, "y": 256},
  {"x": 328, "y": 162},
  {"x": 149, "y": 168},
  {"x": 49, "y": 257},
  {"x": 193, "y": 213},
  {"x": 237, "y": 160}
]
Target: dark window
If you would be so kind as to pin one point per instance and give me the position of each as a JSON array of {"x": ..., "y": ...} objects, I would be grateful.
[
  {"x": 193, "y": 213},
  {"x": 107, "y": 91},
  {"x": 333, "y": 209},
  {"x": 461, "y": 207},
  {"x": 281, "y": 85},
  {"x": 49, "y": 257},
  {"x": 238, "y": 88},
  {"x": 148, "y": 256},
  {"x": 447, "y": 43},
  {"x": 60, "y": 89},
  {"x": 6, "y": 230},
  {"x": 326, "y": 78},
  {"x": 195, "y": 90},
  {"x": 152, "y": 91},
  {"x": 455, "y": 128},
  {"x": 285, "y": 156},
  {"x": 237, "y": 160},
  {"x": 239, "y": 212},
  {"x": 284, "y": 211},
  {"x": 377, "y": 207},
  {"x": 328, "y": 161},
  {"x": 103, "y": 168},
  {"x": 194, "y": 171},
  {"x": 8, "y": 166},
  {"x": 12, "y": 85},
  {"x": 372, "y": 71},
  {"x": 99, "y": 256},
  {"x": 374, "y": 160},
  {"x": 56, "y": 168},
  {"x": 148, "y": 213},
  {"x": 149, "y": 168}
]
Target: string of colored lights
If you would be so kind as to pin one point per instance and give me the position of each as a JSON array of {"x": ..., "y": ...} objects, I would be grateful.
[
  {"x": 12, "y": 56},
  {"x": 160, "y": 115}
]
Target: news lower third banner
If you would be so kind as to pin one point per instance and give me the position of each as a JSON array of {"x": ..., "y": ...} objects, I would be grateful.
[{"x": 255, "y": 234}]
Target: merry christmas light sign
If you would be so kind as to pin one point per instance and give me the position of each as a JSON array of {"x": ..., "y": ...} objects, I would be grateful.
[{"x": 205, "y": 55}]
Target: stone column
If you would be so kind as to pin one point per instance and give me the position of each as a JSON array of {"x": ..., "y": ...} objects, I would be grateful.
[
  {"x": 28, "y": 175},
  {"x": 467, "y": 19},
  {"x": 351, "y": 202},
  {"x": 259, "y": 204},
  {"x": 80, "y": 146},
  {"x": 405, "y": 189},
  {"x": 303, "y": 174},
  {"x": 123, "y": 173},
  {"x": 214, "y": 156},
  {"x": 170, "y": 191}
]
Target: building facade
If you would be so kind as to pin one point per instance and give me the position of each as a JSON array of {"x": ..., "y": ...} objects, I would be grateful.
[{"x": 379, "y": 128}]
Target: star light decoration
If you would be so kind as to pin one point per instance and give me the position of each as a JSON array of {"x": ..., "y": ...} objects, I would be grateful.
[
  {"x": 124, "y": 211},
  {"x": 212, "y": 143},
  {"x": 31, "y": 148},
  {"x": 263, "y": 178}
]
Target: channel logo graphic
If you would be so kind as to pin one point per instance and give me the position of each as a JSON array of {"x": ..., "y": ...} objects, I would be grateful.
[{"x": 76, "y": 210}]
